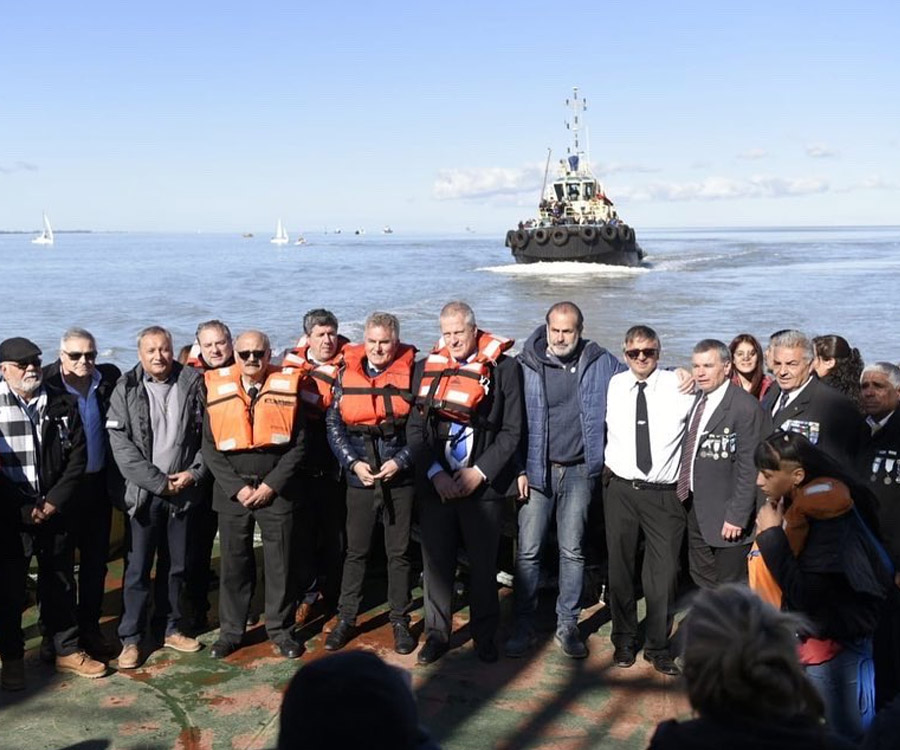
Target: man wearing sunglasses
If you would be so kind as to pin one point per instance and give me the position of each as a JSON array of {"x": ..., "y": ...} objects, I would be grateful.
[
  {"x": 253, "y": 445},
  {"x": 42, "y": 457},
  {"x": 154, "y": 423},
  {"x": 90, "y": 516},
  {"x": 646, "y": 414}
]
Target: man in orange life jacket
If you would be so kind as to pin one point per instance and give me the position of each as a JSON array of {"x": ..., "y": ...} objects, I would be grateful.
[
  {"x": 213, "y": 349},
  {"x": 366, "y": 431},
  {"x": 318, "y": 355},
  {"x": 253, "y": 445},
  {"x": 465, "y": 432}
]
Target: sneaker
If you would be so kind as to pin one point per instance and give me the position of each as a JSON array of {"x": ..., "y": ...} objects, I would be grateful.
[
  {"x": 520, "y": 642},
  {"x": 130, "y": 658},
  {"x": 13, "y": 675},
  {"x": 180, "y": 642},
  {"x": 81, "y": 664},
  {"x": 570, "y": 643}
]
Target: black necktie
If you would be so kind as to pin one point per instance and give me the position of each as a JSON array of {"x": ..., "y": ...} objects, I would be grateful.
[
  {"x": 253, "y": 393},
  {"x": 784, "y": 399},
  {"x": 642, "y": 432}
]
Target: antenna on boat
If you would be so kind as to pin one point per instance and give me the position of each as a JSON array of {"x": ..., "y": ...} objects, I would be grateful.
[
  {"x": 546, "y": 170},
  {"x": 577, "y": 105}
]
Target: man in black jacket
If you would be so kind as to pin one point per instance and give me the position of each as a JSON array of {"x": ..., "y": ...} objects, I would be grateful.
[
  {"x": 42, "y": 456},
  {"x": 464, "y": 449},
  {"x": 90, "y": 515}
]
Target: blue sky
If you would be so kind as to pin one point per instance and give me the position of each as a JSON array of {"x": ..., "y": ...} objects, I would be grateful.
[{"x": 426, "y": 116}]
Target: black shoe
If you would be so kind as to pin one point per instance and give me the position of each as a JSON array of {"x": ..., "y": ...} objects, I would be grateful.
[
  {"x": 486, "y": 651},
  {"x": 433, "y": 650},
  {"x": 339, "y": 637},
  {"x": 404, "y": 642},
  {"x": 288, "y": 647},
  {"x": 663, "y": 663},
  {"x": 570, "y": 643},
  {"x": 624, "y": 656},
  {"x": 252, "y": 620},
  {"x": 221, "y": 649}
]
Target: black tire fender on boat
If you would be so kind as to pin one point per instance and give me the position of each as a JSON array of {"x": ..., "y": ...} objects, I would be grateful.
[
  {"x": 560, "y": 236},
  {"x": 608, "y": 232},
  {"x": 626, "y": 233},
  {"x": 541, "y": 235},
  {"x": 588, "y": 234},
  {"x": 521, "y": 238},
  {"x": 511, "y": 238}
]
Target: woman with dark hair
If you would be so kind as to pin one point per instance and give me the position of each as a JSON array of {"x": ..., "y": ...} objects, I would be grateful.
[
  {"x": 743, "y": 679},
  {"x": 838, "y": 365},
  {"x": 747, "y": 364},
  {"x": 816, "y": 556}
]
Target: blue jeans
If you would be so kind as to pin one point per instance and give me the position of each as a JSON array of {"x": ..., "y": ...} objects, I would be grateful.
[
  {"x": 847, "y": 685},
  {"x": 571, "y": 489}
]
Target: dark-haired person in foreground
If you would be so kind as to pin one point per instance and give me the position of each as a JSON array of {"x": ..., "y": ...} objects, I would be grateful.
[
  {"x": 818, "y": 558},
  {"x": 743, "y": 680}
]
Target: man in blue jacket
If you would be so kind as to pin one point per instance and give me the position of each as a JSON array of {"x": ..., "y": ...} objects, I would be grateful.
[{"x": 566, "y": 378}]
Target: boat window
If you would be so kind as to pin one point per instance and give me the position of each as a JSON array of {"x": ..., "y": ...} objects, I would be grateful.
[
  {"x": 588, "y": 190},
  {"x": 559, "y": 191},
  {"x": 573, "y": 191}
]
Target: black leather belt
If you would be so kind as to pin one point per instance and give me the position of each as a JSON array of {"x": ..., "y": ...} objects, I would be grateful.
[
  {"x": 565, "y": 464},
  {"x": 638, "y": 484}
]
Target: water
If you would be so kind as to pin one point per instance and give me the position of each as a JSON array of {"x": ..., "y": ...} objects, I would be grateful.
[{"x": 693, "y": 285}]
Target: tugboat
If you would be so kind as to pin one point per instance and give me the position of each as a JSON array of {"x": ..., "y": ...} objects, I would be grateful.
[{"x": 576, "y": 220}]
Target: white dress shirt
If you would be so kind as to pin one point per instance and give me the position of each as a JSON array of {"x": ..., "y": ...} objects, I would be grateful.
[
  {"x": 667, "y": 412},
  {"x": 791, "y": 396},
  {"x": 713, "y": 400}
]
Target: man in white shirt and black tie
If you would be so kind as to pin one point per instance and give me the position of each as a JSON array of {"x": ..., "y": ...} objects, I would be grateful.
[{"x": 646, "y": 417}]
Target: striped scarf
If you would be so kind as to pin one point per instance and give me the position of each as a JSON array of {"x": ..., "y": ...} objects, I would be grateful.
[{"x": 20, "y": 439}]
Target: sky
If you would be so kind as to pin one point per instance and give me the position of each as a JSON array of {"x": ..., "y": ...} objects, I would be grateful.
[{"x": 224, "y": 117}]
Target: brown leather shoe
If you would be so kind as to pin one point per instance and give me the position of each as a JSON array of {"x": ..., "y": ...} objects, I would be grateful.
[
  {"x": 130, "y": 658},
  {"x": 13, "y": 675},
  {"x": 180, "y": 642},
  {"x": 302, "y": 614},
  {"x": 81, "y": 664}
]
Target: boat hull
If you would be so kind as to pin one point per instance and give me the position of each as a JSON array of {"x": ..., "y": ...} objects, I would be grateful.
[{"x": 576, "y": 243}]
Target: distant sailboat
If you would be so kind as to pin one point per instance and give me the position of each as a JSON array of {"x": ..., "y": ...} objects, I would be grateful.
[
  {"x": 281, "y": 236},
  {"x": 45, "y": 237}
]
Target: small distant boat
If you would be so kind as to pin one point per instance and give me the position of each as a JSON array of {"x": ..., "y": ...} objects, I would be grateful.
[
  {"x": 360, "y": 231},
  {"x": 301, "y": 240},
  {"x": 247, "y": 235},
  {"x": 281, "y": 236},
  {"x": 337, "y": 230},
  {"x": 46, "y": 236},
  {"x": 387, "y": 230}
]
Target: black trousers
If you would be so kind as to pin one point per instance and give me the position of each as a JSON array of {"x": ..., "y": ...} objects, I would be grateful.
[
  {"x": 56, "y": 584},
  {"x": 476, "y": 525},
  {"x": 661, "y": 518},
  {"x": 89, "y": 520},
  {"x": 238, "y": 570},
  {"x": 157, "y": 532},
  {"x": 325, "y": 556},
  {"x": 395, "y": 516},
  {"x": 711, "y": 566},
  {"x": 203, "y": 523}
]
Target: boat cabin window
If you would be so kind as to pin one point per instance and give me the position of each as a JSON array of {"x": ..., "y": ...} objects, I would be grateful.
[
  {"x": 573, "y": 192},
  {"x": 589, "y": 190},
  {"x": 558, "y": 188}
]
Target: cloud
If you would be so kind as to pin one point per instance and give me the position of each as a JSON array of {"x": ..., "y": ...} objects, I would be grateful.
[
  {"x": 19, "y": 166},
  {"x": 751, "y": 154},
  {"x": 482, "y": 182},
  {"x": 725, "y": 188},
  {"x": 875, "y": 182},
  {"x": 625, "y": 167},
  {"x": 820, "y": 151}
]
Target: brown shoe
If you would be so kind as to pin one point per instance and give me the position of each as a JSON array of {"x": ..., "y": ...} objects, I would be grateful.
[
  {"x": 13, "y": 675},
  {"x": 130, "y": 658},
  {"x": 302, "y": 614},
  {"x": 180, "y": 642},
  {"x": 81, "y": 664}
]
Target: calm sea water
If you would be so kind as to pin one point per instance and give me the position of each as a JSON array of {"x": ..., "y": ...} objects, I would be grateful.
[{"x": 694, "y": 284}]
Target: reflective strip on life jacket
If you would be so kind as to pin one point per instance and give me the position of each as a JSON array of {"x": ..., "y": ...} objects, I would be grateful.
[
  {"x": 274, "y": 412},
  {"x": 380, "y": 404},
  {"x": 318, "y": 382}
]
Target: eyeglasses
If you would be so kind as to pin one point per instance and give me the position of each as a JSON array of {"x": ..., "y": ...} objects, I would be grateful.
[
  {"x": 24, "y": 364},
  {"x": 75, "y": 356},
  {"x": 255, "y": 353},
  {"x": 646, "y": 353}
]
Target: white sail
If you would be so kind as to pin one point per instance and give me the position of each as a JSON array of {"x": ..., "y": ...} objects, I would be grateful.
[
  {"x": 281, "y": 236},
  {"x": 45, "y": 237}
]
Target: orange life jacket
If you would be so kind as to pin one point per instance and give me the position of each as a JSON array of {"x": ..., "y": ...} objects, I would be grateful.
[
  {"x": 317, "y": 386},
  {"x": 379, "y": 404},
  {"x": 274, "y": 413},
  {"x": 454, "y": 389},
  {"x": 195, "y": 359}
]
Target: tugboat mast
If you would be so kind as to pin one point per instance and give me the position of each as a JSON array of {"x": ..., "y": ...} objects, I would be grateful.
[{"x": 577, "y": 105}]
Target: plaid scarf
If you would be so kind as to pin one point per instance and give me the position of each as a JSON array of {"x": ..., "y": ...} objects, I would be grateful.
[{"x": 20, "y": 438}]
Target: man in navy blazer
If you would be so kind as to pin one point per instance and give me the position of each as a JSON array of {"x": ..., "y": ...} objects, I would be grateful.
[{"x": 717, "y": 477}]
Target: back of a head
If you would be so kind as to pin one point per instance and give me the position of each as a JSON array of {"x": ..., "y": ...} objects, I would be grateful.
[
  {"x": 348, "y": 701},
  {"x": 740, "y": 659}
]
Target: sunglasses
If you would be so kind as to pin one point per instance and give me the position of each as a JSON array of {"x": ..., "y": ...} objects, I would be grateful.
[
  {"x": 75, "y": 356},
  {"x": 647, "y": 353},
  {"x": 255, "y": 353},
  {"x": 24, "y": 364}
]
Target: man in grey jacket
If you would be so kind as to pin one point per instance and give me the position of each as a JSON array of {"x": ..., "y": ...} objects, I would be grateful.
[{"x": 155, "y": 422}]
